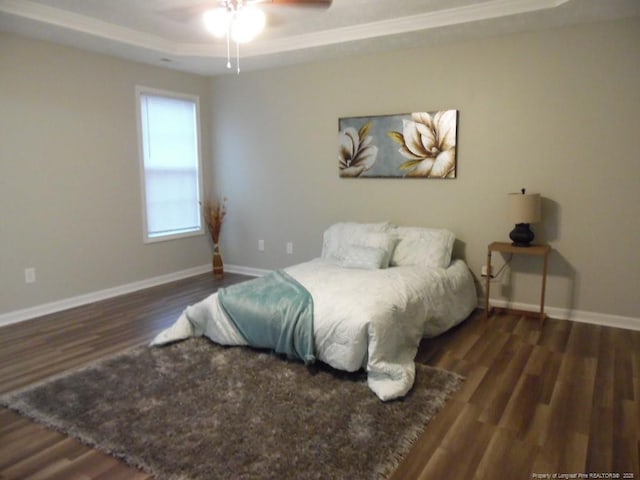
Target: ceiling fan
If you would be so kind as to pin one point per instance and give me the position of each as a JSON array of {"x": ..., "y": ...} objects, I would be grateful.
[{"x": 241, "y": 21}]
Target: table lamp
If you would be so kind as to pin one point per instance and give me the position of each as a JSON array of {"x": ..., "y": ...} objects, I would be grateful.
[{"x": 524, "y": 208}]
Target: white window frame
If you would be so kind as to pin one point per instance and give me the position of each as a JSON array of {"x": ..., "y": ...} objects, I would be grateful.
[{"x": 143, "y": 90}]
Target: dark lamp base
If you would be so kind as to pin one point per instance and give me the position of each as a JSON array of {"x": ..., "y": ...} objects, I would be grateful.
[{"x": 521, "y": 236}]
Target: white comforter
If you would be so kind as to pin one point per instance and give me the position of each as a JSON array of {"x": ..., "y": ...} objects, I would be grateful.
[{"x": 372, "y": 319}]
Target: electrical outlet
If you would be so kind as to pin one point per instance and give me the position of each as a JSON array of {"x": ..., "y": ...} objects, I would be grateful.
[
  {"x": 485, "y": 270},
  {"x": 289, "y": 248},
  {"x": 261, "y": 245},
  {"x": 30, "y": 275}
]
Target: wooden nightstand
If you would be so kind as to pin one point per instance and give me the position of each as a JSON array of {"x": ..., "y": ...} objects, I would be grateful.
[{"x": 506, "y": 247}]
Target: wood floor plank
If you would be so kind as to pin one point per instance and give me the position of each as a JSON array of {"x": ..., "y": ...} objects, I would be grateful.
[
  {"x": 561, "y": 398},
  {"x": 427, "y": 445},
  {"x": 506, "y": 457},
  {"x": 65, "y": 449},
  {"x": 600, "y": 457}
]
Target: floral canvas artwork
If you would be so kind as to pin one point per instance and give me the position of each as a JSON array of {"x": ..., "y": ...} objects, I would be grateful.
[{"x": 418, "y": 144}]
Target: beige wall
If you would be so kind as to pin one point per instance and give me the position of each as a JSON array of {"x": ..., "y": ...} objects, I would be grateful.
[
  {"x": 69, "y": 183},
  {"x": 555, "y": 112}
]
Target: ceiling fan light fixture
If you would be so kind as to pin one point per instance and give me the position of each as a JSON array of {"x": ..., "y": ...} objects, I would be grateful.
[
  {"x": 217, "y": 21},
  {"x": 237, "y": 21},
  {"x": 242, "y": 22},
  {"x": 247, "y": 24}
]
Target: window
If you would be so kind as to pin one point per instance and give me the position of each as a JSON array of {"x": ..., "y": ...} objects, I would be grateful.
[{"x": 169, "y": 164}]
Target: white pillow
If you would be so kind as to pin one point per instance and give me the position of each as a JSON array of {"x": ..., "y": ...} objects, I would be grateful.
[
  {"x": 368, "y": 258},
  {"x": 339, "y": 235},
  {"x": 429, "y": 247},
  {"x": 382, "y": 241}
]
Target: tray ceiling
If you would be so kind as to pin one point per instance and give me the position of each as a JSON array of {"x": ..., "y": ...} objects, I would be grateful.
[{"x": 171, "y": 33}]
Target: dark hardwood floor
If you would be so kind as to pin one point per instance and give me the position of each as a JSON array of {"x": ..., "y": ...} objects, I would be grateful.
[{"x": 562, "y": 399}]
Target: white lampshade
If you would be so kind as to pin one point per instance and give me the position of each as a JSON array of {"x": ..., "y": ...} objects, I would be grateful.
[{"x": 524, "y": 207}]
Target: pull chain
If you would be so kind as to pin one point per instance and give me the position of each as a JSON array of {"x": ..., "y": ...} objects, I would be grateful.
[
  {"x": 228, "y": 51},
  {"x": 238, "y": 57}
]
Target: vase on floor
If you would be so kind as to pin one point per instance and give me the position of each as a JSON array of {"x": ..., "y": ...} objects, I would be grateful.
[{"x": 218, "y": 266}]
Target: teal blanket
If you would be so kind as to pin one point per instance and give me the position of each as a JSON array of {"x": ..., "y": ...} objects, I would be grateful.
[{"x": 274, "y": 312}]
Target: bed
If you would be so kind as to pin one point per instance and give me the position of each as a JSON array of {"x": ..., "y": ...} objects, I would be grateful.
[{"x": 366, "y": 302}]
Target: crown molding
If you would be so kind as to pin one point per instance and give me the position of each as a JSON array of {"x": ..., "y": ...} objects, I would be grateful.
[
  {"x": 440, "y": 18},
  {"x": 407, "y": 24},
  {"x": 82, "y": 24}
]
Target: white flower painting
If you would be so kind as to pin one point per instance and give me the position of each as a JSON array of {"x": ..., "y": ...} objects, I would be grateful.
[{"x": 414, "y": 145}]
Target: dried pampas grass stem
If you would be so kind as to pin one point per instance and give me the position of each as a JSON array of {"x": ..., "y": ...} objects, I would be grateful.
[{"x": 214, "y": 212}]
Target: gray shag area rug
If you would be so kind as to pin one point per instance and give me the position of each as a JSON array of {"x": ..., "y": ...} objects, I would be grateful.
[{"x": 196, "y": 410}]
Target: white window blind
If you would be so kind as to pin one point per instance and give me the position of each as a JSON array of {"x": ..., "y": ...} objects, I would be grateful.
[{"x": 170, "y": 165}]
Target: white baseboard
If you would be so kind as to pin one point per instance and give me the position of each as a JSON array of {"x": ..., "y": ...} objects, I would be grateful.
[
  {"x": 595, "y": 318},
  {"x": 604, "y": 319},
  {"x": 57, "y": 306},
  {"x": 252, "y": 272}
]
